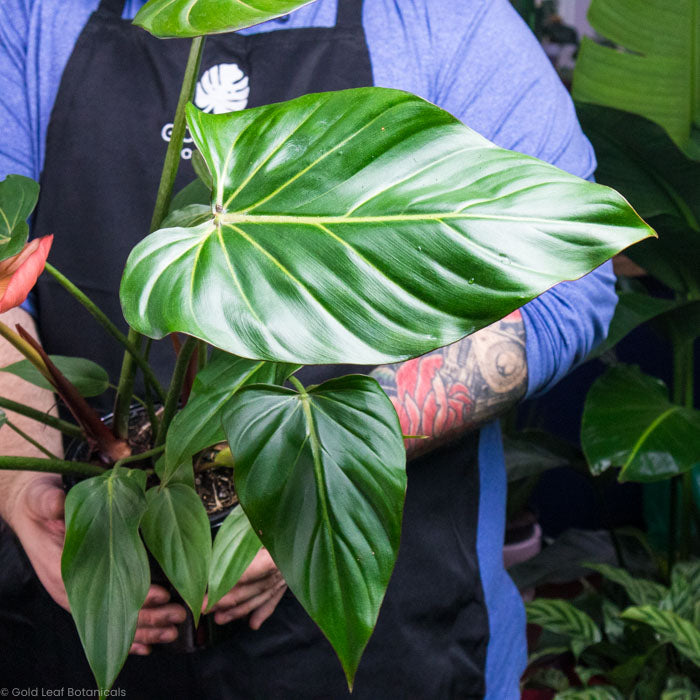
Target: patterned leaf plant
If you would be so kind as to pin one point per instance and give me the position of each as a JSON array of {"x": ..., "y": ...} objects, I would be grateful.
[{"x": 364, "y": 226}]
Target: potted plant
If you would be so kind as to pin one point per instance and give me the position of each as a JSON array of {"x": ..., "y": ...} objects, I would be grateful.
[{"x": 363, "y": 226}]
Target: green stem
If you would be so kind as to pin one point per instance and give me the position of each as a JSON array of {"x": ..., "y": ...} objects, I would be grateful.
[
  {"x": 102, "y": 319},
  {"x": 140, "y": 456},
  {"x": 202, "y": 355},
  {"x": 297, "y": 384},
  {"x": 165, "y": 191},
  {"x": 30, "y": 440},
  {"x": 40, "y": 416},
  {"x": 175, "y": 389},
  {"x": 125, "y": 390},
  {"x": 57, "y": 466}
]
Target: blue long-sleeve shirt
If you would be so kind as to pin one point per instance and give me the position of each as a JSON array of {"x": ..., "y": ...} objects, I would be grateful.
[{"x": 474, "y": 58}]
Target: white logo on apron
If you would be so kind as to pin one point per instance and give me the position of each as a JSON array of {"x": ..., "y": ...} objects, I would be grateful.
[{"x": 222, "y": 88}]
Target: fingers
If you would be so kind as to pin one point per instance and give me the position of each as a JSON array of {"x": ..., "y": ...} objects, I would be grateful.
[
  {"x": 157, "y": 621},
  {"x": 261, "y": 614},
  {"x": 261, "y": 567},
  {"x": 237, "y": 611}
]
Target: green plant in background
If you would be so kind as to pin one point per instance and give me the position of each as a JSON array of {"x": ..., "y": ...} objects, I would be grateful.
[
  {"x": 650, "y": 153},
  {"x": 364, "y": 226}
]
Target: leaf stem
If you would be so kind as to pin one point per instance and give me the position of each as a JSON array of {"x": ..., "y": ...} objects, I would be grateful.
[
  {"x": 175, "y": 389},
  {"x": 141, "y": 455},
  {"x": 64, "y": 426},
  {"x": 30, "y": 439},
  {"x": 165, "y": 191},
  {"x": 58, "y": 466}
]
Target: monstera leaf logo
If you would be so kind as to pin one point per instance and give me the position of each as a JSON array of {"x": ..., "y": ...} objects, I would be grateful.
[{"x": 222, "y": 88}]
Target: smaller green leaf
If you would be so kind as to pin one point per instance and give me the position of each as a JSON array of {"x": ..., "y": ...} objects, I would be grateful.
[
  {"x": 196, "y": 192},
  {"x": 189, "y": 215},
  {"x": 235, "y": 546},
  {"x": 586, "y": 673},
  {"x": 680, "y": 688},
  {"x": 641, "y": 591},
  {"x": 85, "y": 375},
  {"x": 18, "y": 197},
  {"x": 613, "y": 625},
  {"x": 685, "y": 590},
  {"x": 190, "y": 18},
  {"x": 562, "y": 617},
  {"x": 628, "y": 421},
  {"x": 105, "y": 567},
  {"x": 551, "y": 678},
  {"x": 545, "y": 652},
  {"x": 176, "y": 529},
  {"x": 596, "y": 692},
  {"x": 202, "y": 169},
  {"x": 669, "y": 627}
]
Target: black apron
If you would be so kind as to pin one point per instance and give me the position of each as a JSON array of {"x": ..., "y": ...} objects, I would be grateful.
[{"x": 105, "y": 147}]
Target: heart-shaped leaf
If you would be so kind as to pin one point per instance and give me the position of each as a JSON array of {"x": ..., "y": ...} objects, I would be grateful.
[
  {"x": 189, "y": 18},
  {"x": 629, "y": 422},
  {"x": 652, "y": 78},
  {"x": 321, "y": 477},
  {"x": 86, "y": 376},
  {"x": 177, "y": 532},
  {"x": 198, "y": 425},
  {"x": 235, "y": 546},
  {"x": 18, "y": 197},
  {"x": 105, "y": 567},
  {"x": 364, "y": 226}
]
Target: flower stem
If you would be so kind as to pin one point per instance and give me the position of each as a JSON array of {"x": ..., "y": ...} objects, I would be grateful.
[
  {"x": 41, "y": 417},
  {"x": 175, "y": 390},
  {"x": 165, "y": 191},
  {"x": 58, "y": 466}
]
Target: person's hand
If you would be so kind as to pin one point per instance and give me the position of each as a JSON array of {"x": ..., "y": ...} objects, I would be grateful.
[
  {"x": 256, "y": 594},
  {"x": 36, "y": 516}
]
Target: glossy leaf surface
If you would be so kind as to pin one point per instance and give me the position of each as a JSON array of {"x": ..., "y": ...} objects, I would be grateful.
[
  {"x": 189, "y": 18},
  {"x": 86, "y": 376},
  {"x": 652, "y": 77},
  {"x": 321, "y": 477},
  {"x": 105, "y": 567},
  {"x": 235, "y": 546},
  {"x": 198, "y": 424},
  {"x": 176, "y": 529},
  {"x": 364, "y": 226},
  {"x": 653, "y": 438},
  {"x": 18, "y": 197}
]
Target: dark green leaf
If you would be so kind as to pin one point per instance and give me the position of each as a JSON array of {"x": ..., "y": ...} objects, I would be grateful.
[
  {"x": 202, "y": 169},
  {"x": 235, "y": 546},
  {"x": 321, "y": 476},
  {"x": 532, "y": 453},
  {"x": 364, "y": 226},
  {"x": 596, "y": 692},
  {"x": 549, "y": 678},
  {"x": 198, "y": 425},
  {"x": 197, "y": 192},
  {"x": 651, "y": 77},
  {"x": 3, "y": 418},
  {"x": 680, "y": 688},
  {"x": 641, "y": 591},
  {"x": 681, "y": 324},
  {"x": 562, "y": 617},
  {"x": 86, "y": 376},
  {"x": 628, "y": 421},
  {"x": 105, "y": 567},
  {"x": 546, "y": 652},
  {"x": 684, "y": 593},
  {"x": 176, "y": 529},
  {"x": 188, "y": 215},
  {"x": 670, "y": 628},
  {"x": 613, "y": 625},
  {"x": 18, "y": 197},
  {"x": 189, "y": 18}
]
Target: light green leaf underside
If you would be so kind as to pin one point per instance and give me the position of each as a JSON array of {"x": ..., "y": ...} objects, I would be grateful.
[
  {"x": 190, "y": 18},
  {"x": 365, "y": 226},
  {"x": 105, "y": 567},
  {"x": 653, "y": 438},
  {"x": 18, "y": 197},
  {"x": 321, "y": 477},
  {"x": 235, "y": 546},
  {"x": 176, "y": 529},
  {"x": 657, "y": 75}
]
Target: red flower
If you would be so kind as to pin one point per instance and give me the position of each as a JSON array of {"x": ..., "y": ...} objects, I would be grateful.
[{"x": 19, "y": 273}]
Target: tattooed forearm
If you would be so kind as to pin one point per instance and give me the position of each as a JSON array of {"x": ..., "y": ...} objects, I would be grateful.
[{"x": 459, "y": 387}]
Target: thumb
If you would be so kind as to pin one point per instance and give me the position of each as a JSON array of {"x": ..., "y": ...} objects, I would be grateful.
[{"x": 45, "y": 500}]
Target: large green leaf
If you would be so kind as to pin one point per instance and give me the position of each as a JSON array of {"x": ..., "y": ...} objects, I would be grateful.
[
  {"x": 657, "y": 75},
  {"x": 640, "y": 590},
  {"x": 669, "y": 627},
  {"x": 189, "y": 18},
  {"x": 321, "y": 476},
  {"x": 364, "y": 226},
  {"x": 176, "y": 529},
  {"x": 105, "y": 567},
  {"x": 629, "y": 422},
  {"x": 235, "y": 546},
  {"x": 562, "y": 617},
  {"x": 85, "y": 375},
  {"x": 18, "y": 197},
  {"x": 198, "y": 425}
]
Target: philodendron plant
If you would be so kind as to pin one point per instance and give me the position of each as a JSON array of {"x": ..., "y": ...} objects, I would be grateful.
[{"x": 365, "y": 226}]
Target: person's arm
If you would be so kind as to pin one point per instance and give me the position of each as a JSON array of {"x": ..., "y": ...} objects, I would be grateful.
[{"x": 459, "y": 387}]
